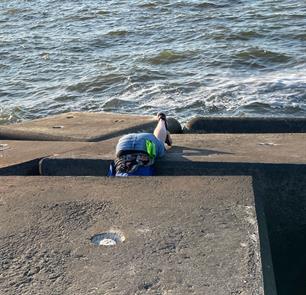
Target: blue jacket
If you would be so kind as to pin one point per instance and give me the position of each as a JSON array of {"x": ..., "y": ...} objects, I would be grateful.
[{"x": 137, "y": 142}]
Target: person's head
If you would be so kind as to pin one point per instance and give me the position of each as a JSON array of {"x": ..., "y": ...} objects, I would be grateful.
[{"x": 129, "y": 168}]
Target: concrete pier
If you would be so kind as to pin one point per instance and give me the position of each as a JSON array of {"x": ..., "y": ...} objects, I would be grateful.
[
  {"x": 182, "y": 236},
  {"x": 82, "y": 127},
  {"x": 190, "y": 155},
  {"x": 224, "y": 215}
]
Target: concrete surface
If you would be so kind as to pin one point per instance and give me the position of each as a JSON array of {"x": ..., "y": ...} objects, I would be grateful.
[
  {"x": 282, "y": 196},
  {"x": 191, "y": 154},
  {"x": 184, "y": 235},
  {"x": 258, "y": 148},
  {"x": 246, "y": 125},
  {"x": 22, "y": 157},
  {"x": 82, "y": 127}
]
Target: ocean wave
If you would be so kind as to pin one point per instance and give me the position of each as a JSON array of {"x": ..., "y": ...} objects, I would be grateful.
[
  {"x": 117, "y": 33},
  {"x": 2, "y": 66},
  {"x": 116, "y": 104},
  {"x": 97, "y": 84},
  {"x": 6, "y": 118},
  {"x": 169, "y": 56},
  {"x": 242, "y": 35},
  {"x": 15, "y": 10},
  {"x": 259, "y": 54},
  {"x": 199, "y": 4},
  {"x": 10, "y": 115},
  {"x": 199, "y": 57},
  {"x": 149, "y": 5},
  {"x": 299, "y": 36},
  {"x": 65, "y": 98},
  {"x": 205, "y": 5}
]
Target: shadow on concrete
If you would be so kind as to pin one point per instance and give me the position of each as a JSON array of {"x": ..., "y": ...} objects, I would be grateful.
[
  {"x": 180, "y": 151},
  {"x": 21, "y": 169},
  {"x": 73, "y": 167},
  {"x": 280, "y": 196}
]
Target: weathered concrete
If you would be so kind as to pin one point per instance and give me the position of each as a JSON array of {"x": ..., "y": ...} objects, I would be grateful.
[
  {"x": 250, "y": 148},
  {"x": 280, "y": 196},
  {"x": 192, "y": 154},
  {"x": 183, "y": 235},
  {"x": 197, "y": 154},
  {"x": 246, "y": 125},
  {"x": 191, "y": 235},
  {"x": 22, "y": 157},
  {"x": 82, "y": 127}
]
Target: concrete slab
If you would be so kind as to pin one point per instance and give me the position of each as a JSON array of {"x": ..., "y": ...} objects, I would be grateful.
[
  {"x": 246, "y": 125},
  {"x": 244, "y": 148},
  {"x": 282, "y": 197},
  {"x": 82, "y": 127},
  {"x": 184, "y": 235},
  {"x": 192, "y": 154},
  {"x": 22, "y": 157},
  {"x": 90, "y": 160}
]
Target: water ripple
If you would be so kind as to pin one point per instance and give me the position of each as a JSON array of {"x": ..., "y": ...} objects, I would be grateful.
[
  {"x": 169, "y": 56},
  {"x": 240, "y": 58}
]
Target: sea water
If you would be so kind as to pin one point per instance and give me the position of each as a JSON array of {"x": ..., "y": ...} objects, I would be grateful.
[{"x": 188, "y": 58}]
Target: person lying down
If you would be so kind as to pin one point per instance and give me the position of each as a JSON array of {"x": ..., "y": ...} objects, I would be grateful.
[{"x": 136, "y": 152}]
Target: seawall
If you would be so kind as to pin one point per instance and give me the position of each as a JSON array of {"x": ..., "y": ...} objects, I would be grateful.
[{"x": 224, "y": 215}]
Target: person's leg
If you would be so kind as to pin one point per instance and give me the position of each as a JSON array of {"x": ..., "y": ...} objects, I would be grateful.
[{"x": 160, "y": 131}]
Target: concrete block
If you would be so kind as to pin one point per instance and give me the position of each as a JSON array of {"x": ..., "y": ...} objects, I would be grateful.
[
  {"x": 182, "y": 235},
  {"x": 174, "y": 126},
  {"x": 82, "y": 127},
  {"x": 90, "y": 160},
  {"x": 192, "y": 154},
  {"x": 280, "y": 196},
  {"x": 246, "y": 125},
  {"x": 22, "y": 157}
]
